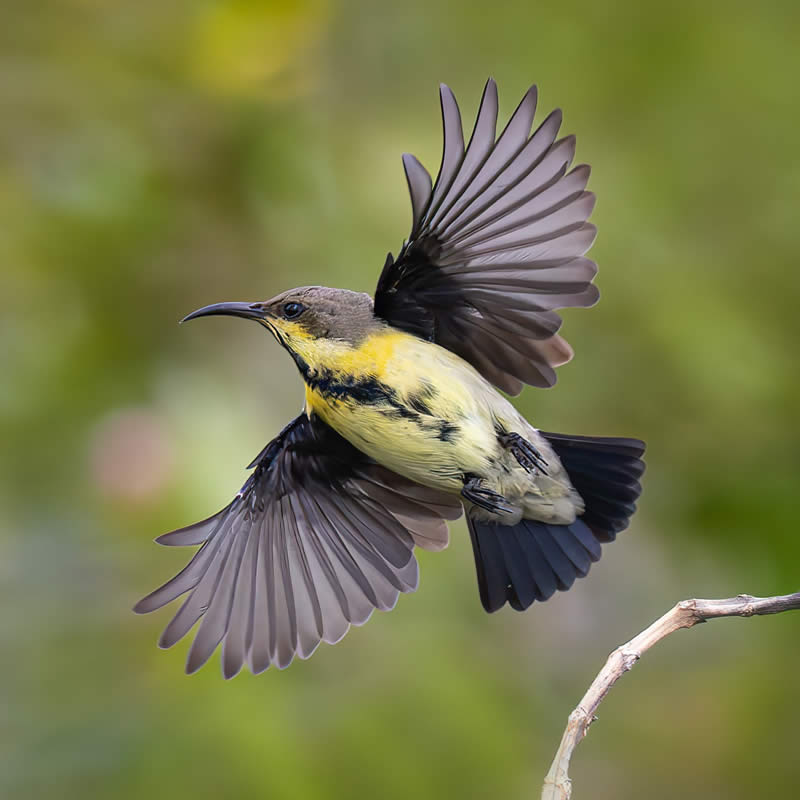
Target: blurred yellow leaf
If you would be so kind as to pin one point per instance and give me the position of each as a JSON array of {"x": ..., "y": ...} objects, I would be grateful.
[{"x": 247, "y": 45}]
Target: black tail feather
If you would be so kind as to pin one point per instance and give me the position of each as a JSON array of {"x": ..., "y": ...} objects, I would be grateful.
[
  {"x": 605, "y": 472},
  {"x": 531, "y": 560}
]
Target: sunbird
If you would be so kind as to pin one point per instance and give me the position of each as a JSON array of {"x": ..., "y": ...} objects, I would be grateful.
[{"x": 404, "y": 426}]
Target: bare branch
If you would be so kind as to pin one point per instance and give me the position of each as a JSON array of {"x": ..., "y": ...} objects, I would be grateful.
[{"x": 686, "y": 614}]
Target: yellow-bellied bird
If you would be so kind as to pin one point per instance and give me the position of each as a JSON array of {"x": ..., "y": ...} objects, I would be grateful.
[{"x": 403, "y": 423}]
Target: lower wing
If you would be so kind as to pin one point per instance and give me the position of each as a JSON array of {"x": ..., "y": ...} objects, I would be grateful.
[{"x": 318, "y": 537}]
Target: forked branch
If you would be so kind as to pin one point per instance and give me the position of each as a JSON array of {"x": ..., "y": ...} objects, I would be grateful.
[{"x": 686, "y": 614}]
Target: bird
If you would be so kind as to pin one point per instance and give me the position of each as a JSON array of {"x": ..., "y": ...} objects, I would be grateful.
[{"x": 407, "y": 422}]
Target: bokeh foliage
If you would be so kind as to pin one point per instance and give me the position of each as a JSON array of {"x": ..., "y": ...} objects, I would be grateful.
[{"x": 158, "y": 156}]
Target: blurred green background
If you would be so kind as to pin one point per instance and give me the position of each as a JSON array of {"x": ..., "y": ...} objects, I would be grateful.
[{"x": 158, "y": 156}]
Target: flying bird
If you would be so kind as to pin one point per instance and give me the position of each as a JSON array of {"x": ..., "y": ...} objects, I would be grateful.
[{"x": 404, "y": 425}]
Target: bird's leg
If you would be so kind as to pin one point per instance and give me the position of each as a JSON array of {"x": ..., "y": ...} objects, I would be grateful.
[
  {"x": 527, "y": 455},
  {"x": 483, "y": 497}
]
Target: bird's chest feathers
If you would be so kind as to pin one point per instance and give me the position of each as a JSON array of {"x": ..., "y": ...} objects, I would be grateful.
[
  {"x": 386, "y": 401},
  {"x": 375, "y": 378}
]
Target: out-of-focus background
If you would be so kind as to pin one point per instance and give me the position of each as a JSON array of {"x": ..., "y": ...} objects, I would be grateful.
[{"x": 158, "y": 156}]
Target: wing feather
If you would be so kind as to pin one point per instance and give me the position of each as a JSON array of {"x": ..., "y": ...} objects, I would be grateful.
[
  {"x": 318, "y": 537},
  {"x": 452, "y": 148},
  {"x": 497, "y": 246},
  {"x": 478, "y": 150},
  {"x": 234, "y": 648},
  {"x": 419, "y": 185},
  {"x": 259, "y": 653},
  {"x": 333, "y": 603},
  {"x": 214, "y": 622}
]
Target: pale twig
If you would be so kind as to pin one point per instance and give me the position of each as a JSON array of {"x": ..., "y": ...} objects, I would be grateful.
[{"x": 686, "y": 614}]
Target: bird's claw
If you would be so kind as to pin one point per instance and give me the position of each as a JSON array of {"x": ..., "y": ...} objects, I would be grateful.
[
  {"x": 485, "y": 498},
  {"x": 528, "y": 457}
]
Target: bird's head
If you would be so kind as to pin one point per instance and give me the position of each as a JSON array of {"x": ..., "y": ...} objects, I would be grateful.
[{"x": 314, "y": 323}]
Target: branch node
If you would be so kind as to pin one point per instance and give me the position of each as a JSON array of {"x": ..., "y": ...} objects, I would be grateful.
[
  {"x": 629, "y": 658},
  {"x": 578, "y": 716},
  {"x": 749, "y": 604}
]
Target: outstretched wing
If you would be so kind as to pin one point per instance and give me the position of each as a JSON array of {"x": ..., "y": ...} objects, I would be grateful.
[
  {"x": 317, "y": 538},
  {"x": 496, "y": 246}
]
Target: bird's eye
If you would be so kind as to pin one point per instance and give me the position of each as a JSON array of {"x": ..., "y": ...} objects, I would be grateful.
[{"x": 293, "y": 310}]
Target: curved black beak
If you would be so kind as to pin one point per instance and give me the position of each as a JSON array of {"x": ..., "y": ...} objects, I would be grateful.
[{"x": 244, "y": 310}]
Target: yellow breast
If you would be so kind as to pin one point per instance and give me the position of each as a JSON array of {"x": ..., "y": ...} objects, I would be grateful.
[{"x": 409, "y": 404}]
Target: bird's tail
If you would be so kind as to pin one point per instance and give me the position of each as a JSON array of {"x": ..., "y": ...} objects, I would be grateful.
[{"x": 530, "y": 560}]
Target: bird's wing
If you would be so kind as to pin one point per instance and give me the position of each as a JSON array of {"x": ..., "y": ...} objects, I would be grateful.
[
  {"x": 318, "y": 537},
  {"x": 496, "y": 246}
]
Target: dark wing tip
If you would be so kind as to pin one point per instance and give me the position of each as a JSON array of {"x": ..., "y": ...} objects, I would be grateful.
[
  {"x": 194, "y": 662},
  {"x": 141, "y": 607},
  {"x": 591, "y": 230},
  {"x": 419, "y": 187},
  {"x": 449, "y": 105},
  {"x": 531, "y": 97}
]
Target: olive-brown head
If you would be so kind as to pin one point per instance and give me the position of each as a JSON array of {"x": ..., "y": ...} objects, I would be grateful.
[{"x": 312, "y": 322}]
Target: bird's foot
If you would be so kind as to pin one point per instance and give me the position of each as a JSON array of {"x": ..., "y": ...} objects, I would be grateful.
[
  {"x": 485, "y": 498},
  {"x": 528, "y": 457}
]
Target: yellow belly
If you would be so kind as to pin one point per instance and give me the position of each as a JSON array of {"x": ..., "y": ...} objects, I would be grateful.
[
  {"x": 414, "y": 407},
  {"x": 428, "y": 415}
]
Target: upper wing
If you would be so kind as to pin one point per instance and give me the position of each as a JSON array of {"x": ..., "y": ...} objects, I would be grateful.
[
  {"x": 317, "y": 538},
  {"x": 496, "y": 245}
]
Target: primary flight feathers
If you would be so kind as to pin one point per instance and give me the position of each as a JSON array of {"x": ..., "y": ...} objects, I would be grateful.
[
  {"x": 496, "y": 245},
  {"x": 318, "y": 537}
]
